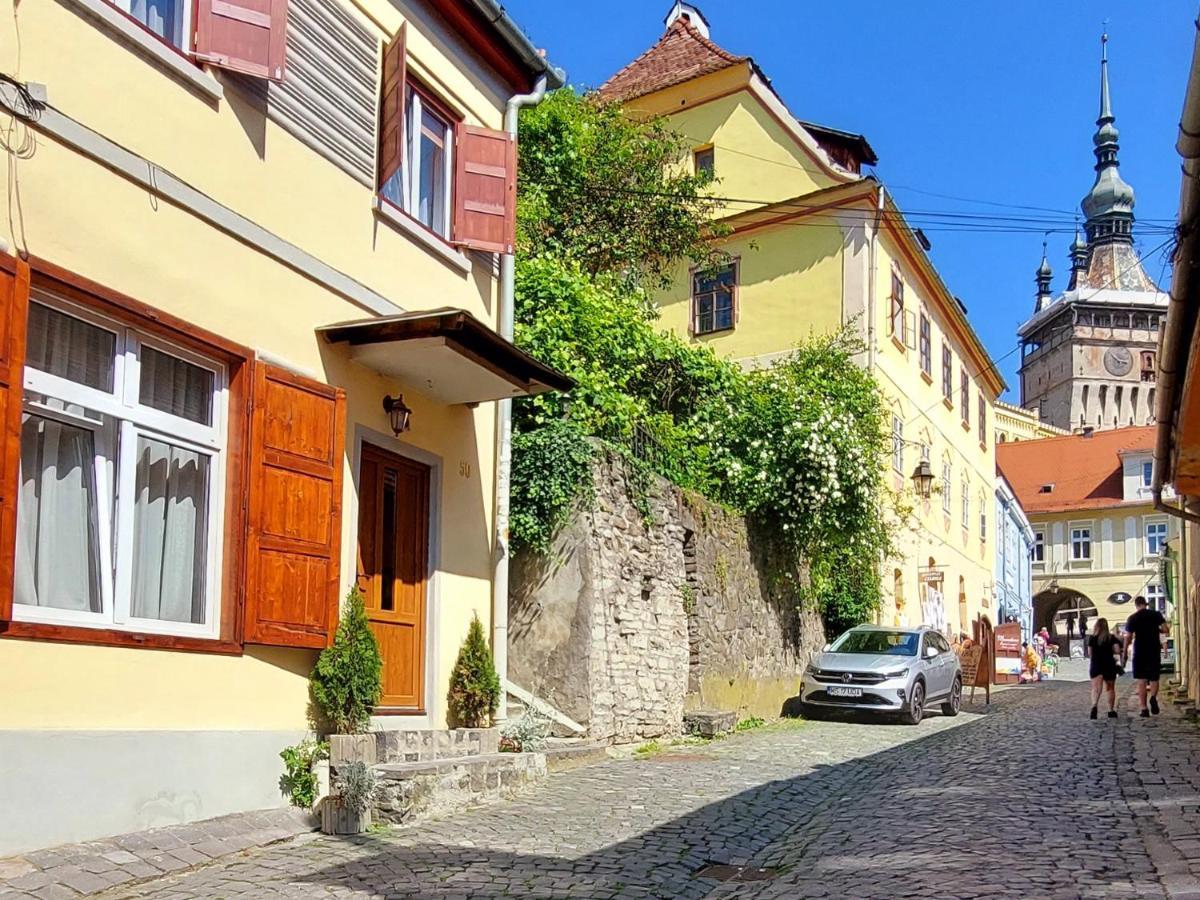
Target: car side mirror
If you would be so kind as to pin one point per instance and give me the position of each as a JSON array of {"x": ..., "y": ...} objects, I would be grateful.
[
  {"x": 825, "y": 649},
  {"x": 931, "y": 652}
]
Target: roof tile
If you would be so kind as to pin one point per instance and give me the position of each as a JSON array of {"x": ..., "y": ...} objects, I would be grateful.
[
  {"x": 1085, "y": 471},
  {"x": 681, "y": 54}
]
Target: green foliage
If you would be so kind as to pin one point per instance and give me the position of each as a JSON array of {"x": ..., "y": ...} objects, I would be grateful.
[
  {"x": 552, "y": 468},
  {"x": 347, "y": 681},
  {"x": 609, "y": 192},
  {"x": 750, "y": 723},
  {"x": 354, "y": 785},
  {"x": 298, "y": 780},
  {"x": 474, "y": 684}
]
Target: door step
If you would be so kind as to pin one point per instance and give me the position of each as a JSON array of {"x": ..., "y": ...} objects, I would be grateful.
[{"x": 408, "y": 791}]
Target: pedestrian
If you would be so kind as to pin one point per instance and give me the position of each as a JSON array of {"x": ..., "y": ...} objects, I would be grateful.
[
  {"x": 1071, "y": 616},
  {"x": 1103, "y": 646},
  {"x": 1143, "y": 630},
  {"x": 1083, "y": 623}
]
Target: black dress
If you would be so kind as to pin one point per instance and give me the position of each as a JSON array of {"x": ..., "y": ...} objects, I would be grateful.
[{"x": 1103, "y": 663}]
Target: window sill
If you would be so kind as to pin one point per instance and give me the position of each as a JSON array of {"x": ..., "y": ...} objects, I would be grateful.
[
  {"x": 427, "y": 239},
  {"x": 926, "y": 377},
  {"x": 715, "y": 331},
  {"x": 157, "y": 52},
  {"x": 947, "y": 402},
  {"x": 966, "y": 426},
  {"x": 899, "y": 345},
  {"x": 111, "y": 637}
]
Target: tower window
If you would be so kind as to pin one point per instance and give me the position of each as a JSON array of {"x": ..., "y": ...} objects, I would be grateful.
[{"x": 1149, "y": 370}]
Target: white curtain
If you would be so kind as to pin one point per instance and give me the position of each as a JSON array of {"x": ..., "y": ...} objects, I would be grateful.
[
  {"x": 163, "y": 17},
  {"x": 175, "y": 386},
  {"x": 58, "y": 551},
  {"x": 170, "y": 533},
  {"x": 70, "y": 348}
]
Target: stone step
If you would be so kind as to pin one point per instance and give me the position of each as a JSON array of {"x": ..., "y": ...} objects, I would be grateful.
[
  {"x": 396, "y": 746},
  {"x": 563, "y": 755},
  {"x": 409, "y": 791}
]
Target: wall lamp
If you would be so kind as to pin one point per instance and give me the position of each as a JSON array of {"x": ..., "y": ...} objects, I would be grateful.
[{"x": 398, "y": 413}]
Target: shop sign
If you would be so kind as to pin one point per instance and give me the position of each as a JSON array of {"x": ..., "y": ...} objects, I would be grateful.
[
  {"x": 931, "y": 577},
  {"x": 1119, "y": 597},
  {"x": 969, "y": 659}
]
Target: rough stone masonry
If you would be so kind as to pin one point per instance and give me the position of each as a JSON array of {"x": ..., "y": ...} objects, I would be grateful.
[{"x": 631, "y": 619}]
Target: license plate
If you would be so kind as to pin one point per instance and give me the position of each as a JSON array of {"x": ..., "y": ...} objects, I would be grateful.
[{"x": 845, "y": 692}]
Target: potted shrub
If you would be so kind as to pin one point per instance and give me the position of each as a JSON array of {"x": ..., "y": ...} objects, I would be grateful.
[
  {"x": 348, "y": 679},
  {"x": 348, "y": 809},
  {"x": 474, "y": 684}
]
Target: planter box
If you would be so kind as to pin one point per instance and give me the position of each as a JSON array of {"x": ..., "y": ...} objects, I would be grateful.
[{"x": 339, "y": 819}]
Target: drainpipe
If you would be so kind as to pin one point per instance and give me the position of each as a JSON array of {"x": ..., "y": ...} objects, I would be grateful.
[
  {"x": 871, "y": 289},
  {"x": 508, "y": 274}
]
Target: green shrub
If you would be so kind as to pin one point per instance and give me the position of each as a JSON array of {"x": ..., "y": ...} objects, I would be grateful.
[
  {"x": 474, "y": 684},
  {"x": 298, "y": 780},
  {"x": 348, "y": 679}
]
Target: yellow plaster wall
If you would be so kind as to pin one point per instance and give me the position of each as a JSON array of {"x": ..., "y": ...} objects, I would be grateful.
[
  {"x": 84, "y": 217},
  {"x": 790, "y": 286}
]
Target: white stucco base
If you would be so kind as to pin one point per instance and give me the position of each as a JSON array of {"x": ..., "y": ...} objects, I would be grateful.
[{"x": 64, "y": 786}]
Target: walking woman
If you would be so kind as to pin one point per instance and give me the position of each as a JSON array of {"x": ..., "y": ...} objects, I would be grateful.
[{"x": 1103, "y": 647}]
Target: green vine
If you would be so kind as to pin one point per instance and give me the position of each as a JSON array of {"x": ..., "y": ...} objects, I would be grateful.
[{"x": 299, "y": 781}]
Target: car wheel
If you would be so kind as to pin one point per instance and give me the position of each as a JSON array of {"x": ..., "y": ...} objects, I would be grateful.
[
  {"x": 916, "y": 705},
  {"x": 954, "y": 704}
]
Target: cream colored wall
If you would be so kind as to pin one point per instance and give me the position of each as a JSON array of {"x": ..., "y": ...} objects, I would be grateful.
[
  {"x": 1016, "y": 424},
  {"x": 754, "y": 158},
  {"x": 918, "y": 402},
  {"x": 790, "y": 287},
  {"x": 93, "y": 222}
]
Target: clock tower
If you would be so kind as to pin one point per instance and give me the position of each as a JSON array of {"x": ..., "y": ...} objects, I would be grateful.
[{"x": 1088, "y": 354}]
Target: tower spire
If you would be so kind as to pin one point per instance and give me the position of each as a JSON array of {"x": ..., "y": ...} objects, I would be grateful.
[
  {"x": 1109, "y": 204},
  {"x": 1043, "y": 278}
]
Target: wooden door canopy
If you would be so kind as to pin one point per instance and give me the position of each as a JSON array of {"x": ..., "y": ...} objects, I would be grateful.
[{"x": 446, "y": 354}]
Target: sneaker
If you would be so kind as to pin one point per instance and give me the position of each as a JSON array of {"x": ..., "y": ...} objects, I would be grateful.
[
  {"x": 1154, "y": 705},
  {"x": 1145, "y": 714},
  {"x": 1092, "y": 714},
  {"x": 1112, "y": 713}
]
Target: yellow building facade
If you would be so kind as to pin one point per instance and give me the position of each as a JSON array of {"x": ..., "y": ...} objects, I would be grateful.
[
  {"x": 188, "y": 232},
  {"x": 1015, "y": 423},
  {"x": 816, "y": 245}
]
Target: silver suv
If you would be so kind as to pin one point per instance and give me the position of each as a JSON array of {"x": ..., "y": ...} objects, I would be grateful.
[{"x": 887, "y": 670}]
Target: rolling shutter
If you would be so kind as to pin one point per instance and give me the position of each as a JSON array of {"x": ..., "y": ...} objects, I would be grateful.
[
  {"x": 391, "y": 108},
  {"x": 14, "y": 307},
  {"x": 297, "y": 434},
  {"x": 485, "y": 189},
  {"x": 247, "y": 36}
]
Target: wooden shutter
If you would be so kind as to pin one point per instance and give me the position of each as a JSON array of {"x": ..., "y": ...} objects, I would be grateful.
[
  {"x": 391, "y": 107},
  {"x": 14, "y": 308},
  {"x": 247, "y": 36},
  {"x": 485, "y": 189},
  {"x": 297, "y": 434}
]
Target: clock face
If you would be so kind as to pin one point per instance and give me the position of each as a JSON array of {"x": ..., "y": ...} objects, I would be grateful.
[{"x": 1118, "y": 360}]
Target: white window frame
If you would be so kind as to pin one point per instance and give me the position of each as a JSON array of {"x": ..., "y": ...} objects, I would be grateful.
[
  {"x": 116, "y": 470},
  {"x": 411, "y": 182},
  {"x": 1071, "y": 532},
  {"x": 947, "y": 487},
  {"x": 983, "y": 517},
  {"x": 1155, "y": 523},
  {"x": 185, "y": 36},
  {"x": 1155, "y": 593},
  {"x": 1039, "y": 543},
  {"x": 1147, "y": 473},
  {"x": 897, "y": 444},
  {"x": 966, "y": 504}
]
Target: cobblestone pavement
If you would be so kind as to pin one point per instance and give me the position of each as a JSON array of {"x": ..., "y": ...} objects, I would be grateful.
[{"x": 1028, "y": 800}]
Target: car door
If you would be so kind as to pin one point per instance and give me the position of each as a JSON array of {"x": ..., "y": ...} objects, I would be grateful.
[
  {"x": 931, "y": 666},
  {"x": 946, "y": 663}
]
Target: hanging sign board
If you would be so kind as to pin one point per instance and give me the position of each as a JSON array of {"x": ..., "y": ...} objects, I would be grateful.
[{"x": 931, "y": 577}]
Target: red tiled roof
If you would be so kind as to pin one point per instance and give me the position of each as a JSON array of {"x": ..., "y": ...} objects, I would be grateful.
[
  {"x": 1085, "y": 471},
  {"x": 681, "y": 54}
]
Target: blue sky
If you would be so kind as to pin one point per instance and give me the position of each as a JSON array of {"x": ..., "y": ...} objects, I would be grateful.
[{"x": 984, "y": 100}]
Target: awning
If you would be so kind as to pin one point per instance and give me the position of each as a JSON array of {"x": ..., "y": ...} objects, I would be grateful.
[{"x": 447, "y": 354}]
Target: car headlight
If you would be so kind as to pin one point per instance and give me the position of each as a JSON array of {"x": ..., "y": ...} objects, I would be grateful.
[
  {"x": 898, "y": 673},
  {"x": 815, "y": 671}
]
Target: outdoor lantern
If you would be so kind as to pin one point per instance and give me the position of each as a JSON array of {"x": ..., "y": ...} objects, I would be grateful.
[
  {"x": 922, "y": 479},
  {"x": 399, "y": 414}
]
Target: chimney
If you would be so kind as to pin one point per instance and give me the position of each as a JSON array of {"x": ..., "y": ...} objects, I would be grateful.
[{"x": 689, "y": 13}]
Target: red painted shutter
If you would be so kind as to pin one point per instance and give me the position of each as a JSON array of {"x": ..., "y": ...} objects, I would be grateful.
[
  {"x": 391, "y": 107},
  {"x": 14, "y": 308},
  {"x": 247, "y": 36},
  {"x": 297, "y": 434},
  {"x": 485, "y": 189}
]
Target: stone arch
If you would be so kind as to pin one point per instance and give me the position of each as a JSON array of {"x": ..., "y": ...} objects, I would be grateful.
[{"x": 1049, "y": 603}]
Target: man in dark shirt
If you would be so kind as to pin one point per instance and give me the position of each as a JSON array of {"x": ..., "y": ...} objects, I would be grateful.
[{"x": 1142, "y": 630}]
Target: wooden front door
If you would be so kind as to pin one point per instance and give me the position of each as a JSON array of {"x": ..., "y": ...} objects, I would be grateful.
[{"x": 393, "y": 570}]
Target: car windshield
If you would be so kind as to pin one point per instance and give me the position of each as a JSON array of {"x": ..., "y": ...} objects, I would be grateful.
[{"x": 889, "y": 643}]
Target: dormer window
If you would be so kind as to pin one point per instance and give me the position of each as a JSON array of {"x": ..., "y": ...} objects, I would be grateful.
[{"x": 1046, "y": 489}]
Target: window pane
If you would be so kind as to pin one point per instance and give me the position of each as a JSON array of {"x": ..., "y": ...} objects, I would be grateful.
[
  {"x": 432, "y": 197},
  {"x": 70, "y": 348},
  {"x": 170, "y": 539},
  {"x": 163, "y": 17},
  {"x": 58, "y": 548},
  {"x": 176, "y": 386}
]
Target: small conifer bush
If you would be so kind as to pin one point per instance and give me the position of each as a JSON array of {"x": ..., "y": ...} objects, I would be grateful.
[
  {"x": 474, "y": 684},
  {"x": 348, "y": 679}
]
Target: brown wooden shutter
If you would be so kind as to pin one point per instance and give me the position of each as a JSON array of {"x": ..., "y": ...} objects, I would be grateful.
[
  {"x": 391, "y": 107},
  {"x": 297, "y": 434},
  {"x": 247, "y": 36},
  {"x": 485, "y": 189},
  {"x": 14, "y": 309}
]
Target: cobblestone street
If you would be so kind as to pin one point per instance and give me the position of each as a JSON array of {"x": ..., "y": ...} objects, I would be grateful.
[{"x": 1030, "y": 799}]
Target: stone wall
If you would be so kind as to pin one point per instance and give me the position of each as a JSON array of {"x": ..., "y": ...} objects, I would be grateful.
[{"x": 629, "y": 619}]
